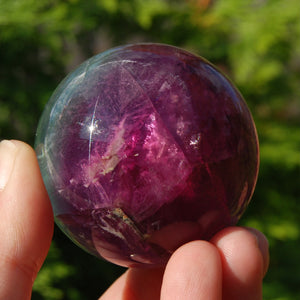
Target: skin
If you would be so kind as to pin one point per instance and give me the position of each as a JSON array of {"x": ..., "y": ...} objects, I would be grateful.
[{"x": 230, "y": 266}]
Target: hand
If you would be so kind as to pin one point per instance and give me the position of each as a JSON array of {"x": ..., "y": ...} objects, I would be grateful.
[
  {"x": 26, "y": 220},
  {"x": 231, "y": 266}
]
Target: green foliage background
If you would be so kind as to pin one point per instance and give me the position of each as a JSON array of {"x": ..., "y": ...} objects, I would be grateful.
[{"x": 255, "y": 42}]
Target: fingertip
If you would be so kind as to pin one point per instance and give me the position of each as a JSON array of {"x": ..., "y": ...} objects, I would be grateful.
[
  {"x": 26, "y": 224},
  {"x": 243, "y": 262},
  {"x": 193, "y": 272}
]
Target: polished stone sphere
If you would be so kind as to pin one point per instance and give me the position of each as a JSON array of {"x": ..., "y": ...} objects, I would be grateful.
[{"x": 143, "y": 148}]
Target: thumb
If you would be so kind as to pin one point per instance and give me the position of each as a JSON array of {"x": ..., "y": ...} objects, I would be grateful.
[{"x": 26, "y": 220}]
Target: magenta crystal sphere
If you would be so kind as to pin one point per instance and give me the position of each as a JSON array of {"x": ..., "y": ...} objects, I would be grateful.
[{"x": 144, "y": 148}]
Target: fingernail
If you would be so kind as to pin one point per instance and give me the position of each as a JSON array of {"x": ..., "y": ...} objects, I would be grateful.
[
  {"x": 7, "y": 159},
  {"x": 263, "y": 246}
]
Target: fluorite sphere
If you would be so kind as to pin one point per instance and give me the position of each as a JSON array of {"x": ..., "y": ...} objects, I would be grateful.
[{"x": 144, "y": 148}]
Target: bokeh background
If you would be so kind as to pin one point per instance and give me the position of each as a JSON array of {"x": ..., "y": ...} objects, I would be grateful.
[{"x": 255, "y": 42}]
